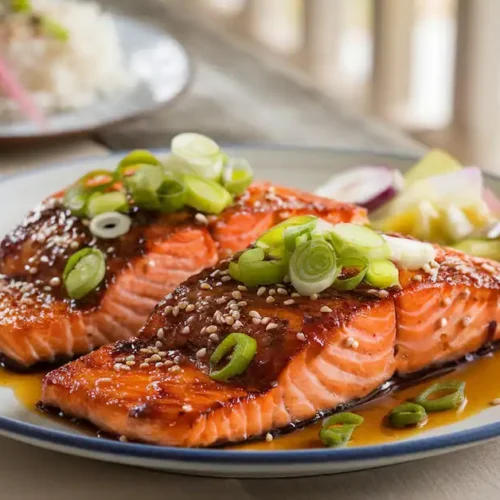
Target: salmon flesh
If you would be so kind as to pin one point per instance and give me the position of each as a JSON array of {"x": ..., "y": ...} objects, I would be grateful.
[
  {"x": 38, "y": 323},
  {"x": 313, "y": 354}
]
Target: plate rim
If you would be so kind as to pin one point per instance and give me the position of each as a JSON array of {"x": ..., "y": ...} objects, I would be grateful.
[
  {"x": 15, "y": 428},
  {"x": 13, "y": 140}
]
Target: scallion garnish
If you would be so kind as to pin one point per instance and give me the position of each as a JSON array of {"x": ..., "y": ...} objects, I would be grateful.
[
  {"x": 253, "y": 270},
  {"x": 84, "y": 271},
  {"x": 356, "y": 262},
  {"x": 206, "y": 195},
  {"x": 337, "y": 429},
  {"x": 171, "y": 196},
  {"x": 454, "y": 397},
  {"x": 382, "y": 274},
  {"x": 365, "y": 241},
  {"x": 243, "y": 349},
  {"x": 313, "y": 267},
  {"x": 110, "y": 225},
  {"x": 143, "y": 185},
  {"x": 406, "y": 415},
  {"x": 99, "y": 203},
  {"x": 130, "y": 163},
  {"x": 237, "y": 175}
]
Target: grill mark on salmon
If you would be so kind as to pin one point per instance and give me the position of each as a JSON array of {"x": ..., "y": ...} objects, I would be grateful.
[
  {"x": 39, "y": 324},
  {"x": 367, "y": 341}
]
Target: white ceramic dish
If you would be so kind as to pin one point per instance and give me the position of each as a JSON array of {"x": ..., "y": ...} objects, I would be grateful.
[
  {"x": 157, "y": 60},
  {"x": 304, "y": 168}
]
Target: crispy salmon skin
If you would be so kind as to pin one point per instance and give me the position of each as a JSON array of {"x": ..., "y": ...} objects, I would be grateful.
[
  {"x": 38, "y": 323},
  {"x": 313, "y": 353}
]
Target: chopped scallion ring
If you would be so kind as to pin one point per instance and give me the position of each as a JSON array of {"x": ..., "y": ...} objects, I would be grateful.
[
  {"x": 360, "y": 238},
  {"x": 129, "y": 164},
  {"x": 453, "y": 399},
  {"x": 382, "y": 274},
  {"x": 406, "y": 415},
  {"x": 75, "y": 199},
  {"x": 110, "y": 225},
  {"x": 143, "y": 185},
  {"x": 84, "y": 271},
  {"x": 196, "y": 154},
  {"x": 338, "y": 429},
  {"x": 313, "y": 267},
  {"x": 206, "y": 195},
  {"x": 237, "y": 175},
  {"x": 100, "y": 203},
  {"x": 351, "y": 262},
  {"x": 244, "y": 349},
  {"x": 171, "y": 196},
  {"x": 296, "y": 234}
]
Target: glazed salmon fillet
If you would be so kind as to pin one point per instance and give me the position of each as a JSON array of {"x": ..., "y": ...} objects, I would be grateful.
[
  {"x": 38, "y": 323},
  {"x": 313, "y": 353}
]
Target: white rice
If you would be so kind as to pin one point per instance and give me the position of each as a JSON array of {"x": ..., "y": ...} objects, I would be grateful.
[{"x": 64, "y": 75}]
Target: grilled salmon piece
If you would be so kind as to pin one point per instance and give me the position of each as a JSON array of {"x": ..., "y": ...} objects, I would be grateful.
[
  {"x": 39, "y": 324},
  {"x": 312, "y": 355}
]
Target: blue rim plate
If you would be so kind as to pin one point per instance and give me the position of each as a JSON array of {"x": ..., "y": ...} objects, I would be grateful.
[{"x": 280, "y": 164}]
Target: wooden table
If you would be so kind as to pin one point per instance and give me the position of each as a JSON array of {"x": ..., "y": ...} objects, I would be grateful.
[{"x": 235, "y": 98}]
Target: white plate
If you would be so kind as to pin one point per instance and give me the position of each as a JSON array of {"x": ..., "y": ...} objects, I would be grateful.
[
  {"x": 304, "y": 168},
  {"x": 155, "y": 58}
]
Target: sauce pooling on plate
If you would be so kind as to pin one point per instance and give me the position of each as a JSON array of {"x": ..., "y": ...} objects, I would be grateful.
[{"x": 480, "y": 394}]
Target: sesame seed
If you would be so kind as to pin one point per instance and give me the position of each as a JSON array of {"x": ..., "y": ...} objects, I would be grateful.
[
  {"x": 442, "y": 322},
  {"x": 242, "y": 288},
  {"x": 215, "y": 273},
  {"x": 466, "y": 321},
  {"x": 175, "y": 311},
  {"x": 261, "y": 291},
  {"x": 236, "y": 294},
  {"x": 205, "y": 286},
  {"x": 446, "y": 301},
  {"x": 417, "y": 277},
  {"x": 265, "y": 320},
  {"x": 269, "y": 437},
  {"x": 183, "y": 305},
  {"x": 214, "y": 337},
  {"x": 383, "y": 294},
  {"x": 236, "y": 314},
  {"x": 123, "y": 439},
  {"x": 130, "y": 358},
  {"x": 325, "y": 309},
  {"x": 158, "y": 365},
  {"x": 33, "y": 270},
  {"x": 349, "y": 341},
  {"x": 314, "y": 296},
  {"x": 289, "y": 302},
  {"x": 286, "y": 279},
  {"x": 110, "y": 249},
  {"x": 44, "y": 258},
  {"x": 160, "y": 333},
  {"x": 158, "y": 344},
  {"x": 155, "y": 357},
  {"x": 187, "y": 408},
  {"x": 254, "y": 314},
  {"x": 271, "y": 326},
  {"x": 144, "y": 365},
  {"x": 282, "y": 291},
  {"x": 211, "y": 329},
  {"x": 234, "y": 307},
  {"x": 130, "y": 363},
  {"x": 201, "y": 353},
  {"x": 226, "y": 278},
  {"x": 55, "y": 281},
  {"x": 117, "y": 366},
  {"x": 256, "y": 321},
  {"x": 199, "y": 217},
  {"x": 47, "y": 288},
  {"x": 242, "y": 303},
  {"x": 186, "y": 330},
  {"x": 301, "y": 336},
  {"x": 295, "y": 295},
  {"x": 162, "y": 354},
  {"x": 175, "y": 368},
  {"x": 495, "y": 402},
  {"x": 74, "y": 244},
  {"x": 272, "y": 291},
  {"x": 238, "y": 324},
  {"x": 125, "y": 368},
  {"x": 190, "y": 308},
  {"x": 229, "y": 320},
  {"x": 270, "y": 299},
  {"x": 168, "y": 309}
]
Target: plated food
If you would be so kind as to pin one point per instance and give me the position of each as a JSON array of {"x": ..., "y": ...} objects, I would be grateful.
[
  {"x": 65, "y": 54},
  {"x": 292, "y": 342}
]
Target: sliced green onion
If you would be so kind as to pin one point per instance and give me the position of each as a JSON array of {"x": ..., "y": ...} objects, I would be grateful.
[
  {"x": 84, "y": 272},
  {"x": 244, "y": 349},
  {"x": 206, "y": 195},
  {"x": 99, "y": 203},
  {"x": 361, "y": 238},
  {"x": 54, "y": 29},
  {"x": 252, "y": 255},
  {"x": 273, "y": 240},
  {"x": 143, "y": 186},
  {"x": 21, "y": 6},
  {"x": 265, "y": 272},
  {"x": 351, "y": 262},
  {"x": 75, "y": 199},
  {"x": 410, "y": 254},
  {"x": 196, "y": 154},
  {"x": 297, "y": 234},
  {"x": 133, "y": 160},
  {"x": 237, "y": 175},
  {"x": 110, "y": 225},
  {"x": 313, "y": 267},
  {"x": 234, "y": 271},
  {"x": 382, "y": 274},
  {"x": 454, "y": 399},
  {"x": 171, "y": 196},
  {"x": 337, "y": 429},
  {"x": 407, "y": 415}
]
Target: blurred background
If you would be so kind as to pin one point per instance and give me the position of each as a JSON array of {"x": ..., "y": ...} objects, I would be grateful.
[{"x": 426, "y": 67}]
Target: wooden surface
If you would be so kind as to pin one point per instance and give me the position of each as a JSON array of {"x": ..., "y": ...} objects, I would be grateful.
[{"x": 235, "y": 98}]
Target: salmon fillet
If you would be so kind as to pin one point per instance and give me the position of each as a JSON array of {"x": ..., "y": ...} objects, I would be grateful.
[
  {"x": 39, "y": 324},
  {"x": 312, "y": 354}
]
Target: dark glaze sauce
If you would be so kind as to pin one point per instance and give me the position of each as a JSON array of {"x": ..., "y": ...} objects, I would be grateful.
[{"x": 480, "y": 393}]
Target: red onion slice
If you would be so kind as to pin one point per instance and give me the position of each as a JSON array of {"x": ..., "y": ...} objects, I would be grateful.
[{"x": 370, "y": 187}]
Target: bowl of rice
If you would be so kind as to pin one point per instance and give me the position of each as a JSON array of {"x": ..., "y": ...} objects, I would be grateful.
[{"x": 83, "y": 67}]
